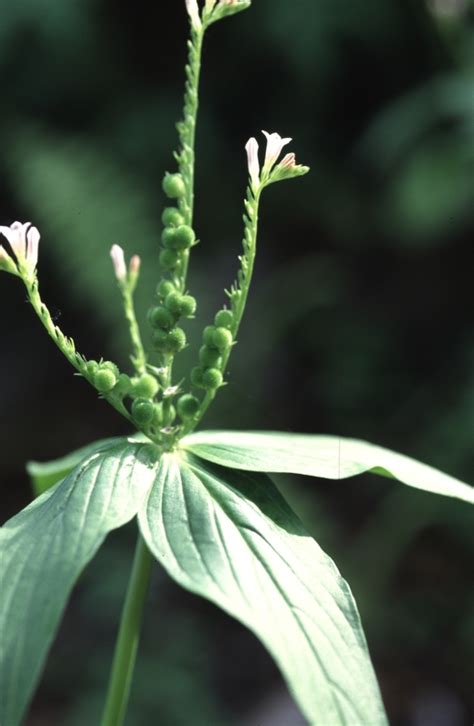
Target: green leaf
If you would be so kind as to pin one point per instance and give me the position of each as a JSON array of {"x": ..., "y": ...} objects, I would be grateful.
[
  {"x": 230, "y": 537},
  {"x": 329, "y": 457},
  {"x": 44, "y": 548},
  {"x": 45, "y": 474}
]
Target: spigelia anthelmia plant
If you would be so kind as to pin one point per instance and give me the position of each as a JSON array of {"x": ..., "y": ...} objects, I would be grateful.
[{"x": 204, "y": 504}]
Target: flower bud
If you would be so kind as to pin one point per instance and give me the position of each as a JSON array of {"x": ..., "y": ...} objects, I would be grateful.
[
  {"x": 222, "y": 338},
  {"x": 172, "y": 217},
  {"x": 143, "y": 410},
  {"x": 196, "y": 377},
  {"x": 146, "y": 387},
  {"x": 169, "y": 259},
  {"x": 187, "y": 306},
  {"x": 182, "y": 238},
  {"x": 224, "y": 318},
  {"x": 104, "y": 380},
  {"x": 160, "y": 317},
  {"x": 164, "y": 288},
  {"x": 209, "y": 357},
  {"x": 173, "y": 186},
  {"x": 188, "y": 406},
  {"x": 211, "y": 378}
]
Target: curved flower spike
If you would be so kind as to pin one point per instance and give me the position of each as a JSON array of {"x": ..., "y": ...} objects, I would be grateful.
[
  {"x": 24, "y": 243},
  {"x": 275, "y": 144}
]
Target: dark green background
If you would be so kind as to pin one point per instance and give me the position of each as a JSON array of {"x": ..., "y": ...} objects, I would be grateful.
[{"x": 359, "y": 322}]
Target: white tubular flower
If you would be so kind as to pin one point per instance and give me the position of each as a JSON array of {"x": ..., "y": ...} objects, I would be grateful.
[
  {"x": 251, "y": 148},
  {"x": 24, "y": 243},
  {"x": 193, "y": 11},
  {"x": 275, "y": 144},
  {"x": 118, "y": 261}
]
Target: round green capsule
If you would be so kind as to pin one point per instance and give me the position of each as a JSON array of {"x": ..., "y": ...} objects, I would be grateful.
[
  {"x": 208, "y": 335},
  {"x": 172, "y": 217},
  {"x": 173, "y": 302},
  {"x": 188, "y": 406},
  {"x": 224, "y": 319},
  {"x": 173, "y": 186},
  {"x": 187, "y": 306},
  {"x": 92, "y": 367},
  {"x": 222, "y": 338},
  {"x": 160, "y": 317},
  {"x": 169, "y": 259},
  {"x": 143, "y": 410},
  {"x": 209, "y": 357},
  {"x": 124, "y": 385},
  {"x": 167, "y": 237},
  {"x": 175, "y": 340},
  {"x": 157, "y": 419},
  {"x": 105, "y": 380},
  {"x": 212, "y": 378},
  {"x": 108, "y": 365},
  {"x": 164, "y": 287},
  {"x": 159, "y": 339},
  {"x": 196, "y": 377},
  {"x": 182, "y": 238},
  {"x": 146, "y": 387}
]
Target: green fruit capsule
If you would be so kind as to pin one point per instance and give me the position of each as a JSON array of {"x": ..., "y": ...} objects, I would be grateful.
[
  {"x": 173, "y": 302},
  {"x": 107, "y": 364},
  {"x": 167, "y": 237},
  {"x": 209, "y": 357},
  {"x": 208, "y": 335},
  {"x": 146, "y": 387},
  {"x": 157, "y": 419},
  {"x": 169, "y": 342},
  {"x": 169, "y": 259},
  {"x": 160, "y": 317},
  {"x": 196, "y": 377},
  {"x": 183, "y": 238},
  {"x": 164, "y": 287},
  {"x": 187, "y": 306},
  {"x": 159, "y": 339},
  {"x": 222, "y": 338},
  {"x": 173, "y": 186},
  {"x": 172, "y": 217},
  {"x": 124, "y": 385},
  {"x": 212, "y": 378},
  {"x": 224, "y": 318},
  {"x": 143, "y": 410},
  {"x": 92, "y": 367},
  {"x": 104, "y": 380},
  {"x": 188, "y": 406}
]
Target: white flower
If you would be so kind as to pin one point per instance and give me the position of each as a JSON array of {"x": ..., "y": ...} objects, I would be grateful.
[
  {"x": 193, "y": 12},
  {"x": 251, "y": 148},
  {"x": 118, "y": 261},
  {"x": 24, "y": 243},
  {"x": 275, "y": 144}
]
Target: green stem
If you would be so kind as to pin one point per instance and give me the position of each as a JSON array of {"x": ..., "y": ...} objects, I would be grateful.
[
  {"x": 128, "y": 637},
  {"x": 239, "y": 292},
  {"x": 139, "y": 355}
]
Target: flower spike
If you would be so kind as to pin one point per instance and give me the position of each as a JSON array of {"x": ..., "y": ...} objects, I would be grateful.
[
  {"x": 24, "y": 240},
  {"x": 272, "y": 171}
]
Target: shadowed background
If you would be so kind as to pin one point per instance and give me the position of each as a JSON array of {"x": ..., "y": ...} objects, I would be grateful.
[{"x": 359, "y": 322}]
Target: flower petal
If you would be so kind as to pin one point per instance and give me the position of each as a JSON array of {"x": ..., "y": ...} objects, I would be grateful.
[
  {"x": 275, "y": 144},
  {"x": 33, "y": 238}
]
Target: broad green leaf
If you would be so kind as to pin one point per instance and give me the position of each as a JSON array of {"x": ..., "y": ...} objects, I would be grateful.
[
  {"x": 230, "y": 537},
  {"x": 44, "y": 548},
  {"x": 45, "y": 474},
  {"x": 329, "y": 457}
]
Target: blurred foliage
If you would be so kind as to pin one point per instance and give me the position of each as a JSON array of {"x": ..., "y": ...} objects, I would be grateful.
[{"x": 360, "y": 321}]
